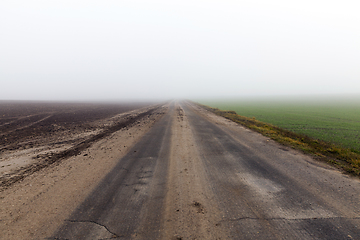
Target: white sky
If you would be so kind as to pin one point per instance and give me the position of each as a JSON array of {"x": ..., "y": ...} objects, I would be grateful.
[{"x": 129, "y": 49}]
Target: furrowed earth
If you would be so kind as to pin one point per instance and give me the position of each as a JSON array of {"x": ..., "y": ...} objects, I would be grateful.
[{"x": 36, "y": 134}]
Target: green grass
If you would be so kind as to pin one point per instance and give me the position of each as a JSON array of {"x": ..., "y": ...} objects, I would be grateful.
[
  {"x": 332, "y": 122},
  {"x": 344, "y": 158}
]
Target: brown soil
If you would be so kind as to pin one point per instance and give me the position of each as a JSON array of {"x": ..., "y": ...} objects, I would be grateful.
[
  {"x": 47, "y": 193},
  {"x": 29, "y": 124},
  {"x": 35, "y": 135}
]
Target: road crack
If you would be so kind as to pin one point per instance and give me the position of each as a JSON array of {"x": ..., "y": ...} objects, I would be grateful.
[
  {"x": 287, "y": 219},
  {"x": 114, "y": 235}
]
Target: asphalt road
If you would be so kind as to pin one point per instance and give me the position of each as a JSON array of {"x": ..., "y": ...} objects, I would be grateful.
[{"x": 197, "y": 176}]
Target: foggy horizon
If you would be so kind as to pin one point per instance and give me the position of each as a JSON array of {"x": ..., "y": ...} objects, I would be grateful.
[{"x": 154, "y": 51}]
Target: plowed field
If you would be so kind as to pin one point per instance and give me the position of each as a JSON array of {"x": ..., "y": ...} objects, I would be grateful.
[{"x": 35, "y": 134}]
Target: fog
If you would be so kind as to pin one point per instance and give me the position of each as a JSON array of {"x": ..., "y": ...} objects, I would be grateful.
[{"x": 155, "y": 50}]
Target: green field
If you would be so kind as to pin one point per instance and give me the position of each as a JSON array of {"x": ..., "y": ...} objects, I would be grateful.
[{"x": 331, "y": 121}]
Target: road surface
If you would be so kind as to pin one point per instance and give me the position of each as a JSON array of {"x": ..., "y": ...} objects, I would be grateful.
[{"x": 195, "y": 175}]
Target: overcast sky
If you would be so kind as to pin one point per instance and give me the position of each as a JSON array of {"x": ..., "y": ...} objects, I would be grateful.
[{"x": 130, "y": 49}]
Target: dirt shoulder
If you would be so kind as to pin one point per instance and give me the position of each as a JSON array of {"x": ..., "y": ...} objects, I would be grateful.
[{"x": 36, "y": 205}]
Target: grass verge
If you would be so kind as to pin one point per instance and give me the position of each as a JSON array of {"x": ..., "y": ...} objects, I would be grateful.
[{"x": 343, "y": 158}]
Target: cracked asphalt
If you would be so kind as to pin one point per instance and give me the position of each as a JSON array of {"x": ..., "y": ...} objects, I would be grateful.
[{"x": 195, "y": 175}]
